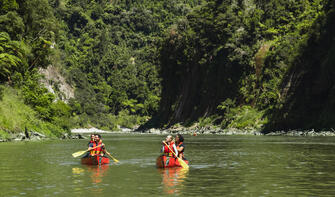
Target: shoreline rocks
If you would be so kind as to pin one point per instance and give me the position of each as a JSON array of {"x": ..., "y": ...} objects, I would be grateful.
[
  {"x": 88, "y": 131},
  {"x": 80, "y": 133},
  {"x": 204, "y": 131},
  {"x": 26, "y": 136},
  {"x": 99, "y": 131},
  {"x": 233, "y": 131},
  {"x": 311, "y": 133},
  {"x": 76, "y": 136}
]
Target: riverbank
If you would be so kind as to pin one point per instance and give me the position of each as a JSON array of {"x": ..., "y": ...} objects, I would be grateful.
[
  {"x": 82, "y": 133},
  {"x": 232, "y": 131},
  {"x": 36, "y": 136},
  {"x": 77, "y": 133}
]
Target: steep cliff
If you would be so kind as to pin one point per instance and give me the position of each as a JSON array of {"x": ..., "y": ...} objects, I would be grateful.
[
  {"x": 274, "y": 57},
  {"x": 309, "y": 86}
]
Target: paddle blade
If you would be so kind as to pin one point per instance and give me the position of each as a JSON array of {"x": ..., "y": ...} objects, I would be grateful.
[
  {"x": 183, "y": 163},
  {"x": 115, "y": 160},
  {"x": 79, "y": 153}
]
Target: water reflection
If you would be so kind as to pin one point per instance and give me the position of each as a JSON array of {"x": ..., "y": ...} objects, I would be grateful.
[
  {"x": 172, "y": 179},
  {"x": 97, "y": 172},
  {"x": 93, "y": 173},
  {"x": 77, "y": 171}
]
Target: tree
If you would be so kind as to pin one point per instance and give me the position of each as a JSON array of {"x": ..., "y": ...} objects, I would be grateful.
[
  {"x": 12, "y": 57},
  {"x": 7, "y": 6}
]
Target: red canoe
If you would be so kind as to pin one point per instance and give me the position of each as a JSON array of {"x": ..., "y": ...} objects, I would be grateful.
[
  {"x": 161, "y": 162},
  {"x": 94, "y": 160}
]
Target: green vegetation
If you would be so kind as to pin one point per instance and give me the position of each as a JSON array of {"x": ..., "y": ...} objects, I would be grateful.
[
  {"x": 110, "y": 50},
  {"x": 234, "y": 64},
  {"x": 28, "y": 29},
  {"x": 16, "y": 116},
  {"x": 246, "y": 53},
  {"x": 107, "y": 50}
]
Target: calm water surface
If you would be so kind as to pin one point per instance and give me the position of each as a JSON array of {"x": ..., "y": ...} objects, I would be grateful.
[{"x": 220, "y": 166}]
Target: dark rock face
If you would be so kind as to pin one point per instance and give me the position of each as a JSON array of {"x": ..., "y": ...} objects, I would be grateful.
[
  {"x": 194, "y": 87},
  {"x": 198, "y": 93},
  {"x": 310, "y": 84}
]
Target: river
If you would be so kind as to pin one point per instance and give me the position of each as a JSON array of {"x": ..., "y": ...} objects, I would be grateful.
[{"x": 219, "y": 166}]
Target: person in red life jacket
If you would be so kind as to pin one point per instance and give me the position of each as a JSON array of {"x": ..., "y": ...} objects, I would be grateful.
[
  {"x": 168, "y": 142},
  {"x": 180, "y": 146}
]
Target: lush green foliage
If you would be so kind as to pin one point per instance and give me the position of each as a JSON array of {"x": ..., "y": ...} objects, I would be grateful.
[
  {"x": 239, "y": 52},
  {"x": 111, "y": 53},
  {"x": 228, "y": 63},
  {"x": 16, "y": 116},
  {"x": 28, "y": 31},
  {"x": 106, "y": 49}
]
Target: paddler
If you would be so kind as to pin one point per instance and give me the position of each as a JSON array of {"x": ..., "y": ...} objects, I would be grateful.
[
  {"x": 100, "y": 150},
  {"x": 90, "y": 144},
  {"x": 168, "y": 142},
  {"x": 180, "y": 146}
]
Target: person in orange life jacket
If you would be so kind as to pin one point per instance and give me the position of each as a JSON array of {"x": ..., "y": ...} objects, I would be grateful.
[
  {"x": 180, "y": 146},
  {"x": 90, "y": 143},
  {"x": 100, "y": 151},
  {"x": 166, "y": 150}
]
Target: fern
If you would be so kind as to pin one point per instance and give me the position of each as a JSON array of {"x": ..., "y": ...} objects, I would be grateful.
[{"x": 12, "y": 55}]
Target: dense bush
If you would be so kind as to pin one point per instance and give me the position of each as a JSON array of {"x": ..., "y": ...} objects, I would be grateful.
[
  {"x": 241, "y": 51},
  {"x": 227, "y": 62},
  {"x": 106, "y": 49}
]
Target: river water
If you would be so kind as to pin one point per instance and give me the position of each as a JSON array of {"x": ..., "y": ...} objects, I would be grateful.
[{"x": 219, "y": 166}]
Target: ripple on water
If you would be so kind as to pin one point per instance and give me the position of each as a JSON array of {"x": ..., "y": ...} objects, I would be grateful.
[
  {"x": 142, "y": 162},
  {"x": 202, "y": 166}
]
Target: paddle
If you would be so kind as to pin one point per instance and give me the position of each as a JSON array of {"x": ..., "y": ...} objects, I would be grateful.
[
  {"x": 115, "y": 160},
  {"x": 182, "y": 162},
  {"x": 79, "y": 153}
]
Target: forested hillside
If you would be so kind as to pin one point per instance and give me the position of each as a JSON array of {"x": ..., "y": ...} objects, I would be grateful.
[
  {"x": 309, "y": 87},
  {"x": 110, "y": 55},
  {"x": 28, "y": 33},
  {"x": 246, "y": 64},
  {"x": 106, "y": 50}
]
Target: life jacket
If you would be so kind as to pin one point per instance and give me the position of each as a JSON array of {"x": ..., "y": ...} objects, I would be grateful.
[
  {"x": 96, "y": 151},
  {"x": 167, "y": 150},
  {"x": 180, "y": 153},
  {"x": 178, "y": 146},
  {"x": 91, "y": 142}
]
